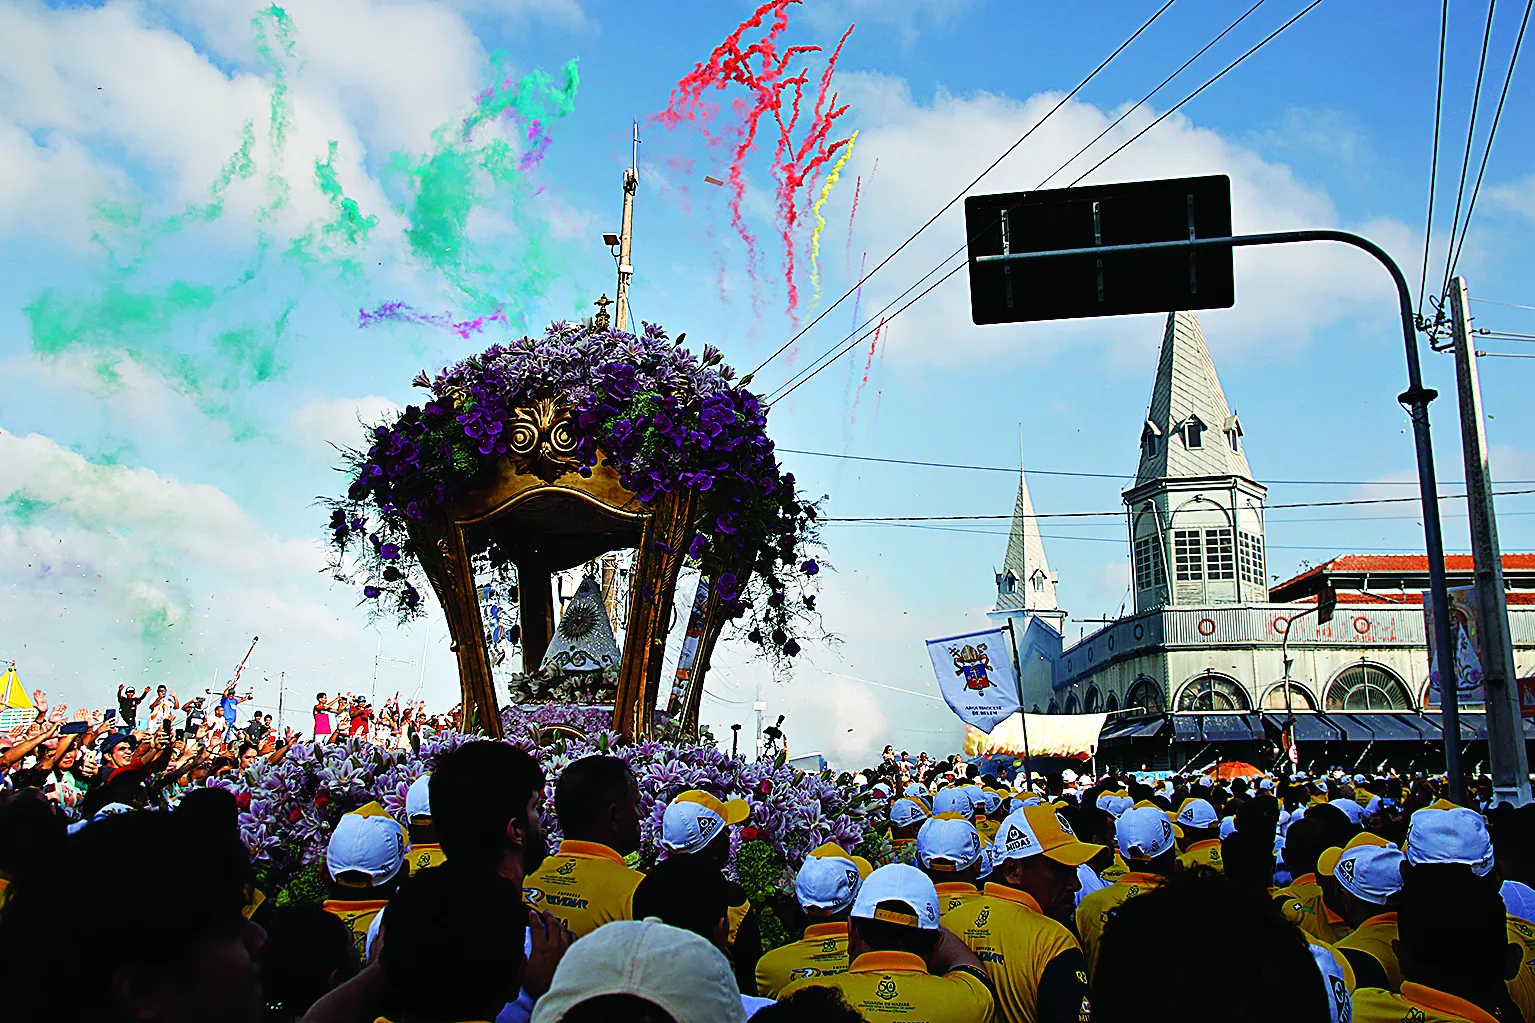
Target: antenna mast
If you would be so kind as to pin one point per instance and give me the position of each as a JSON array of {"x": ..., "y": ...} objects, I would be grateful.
[{"x": 626, "y": 236}]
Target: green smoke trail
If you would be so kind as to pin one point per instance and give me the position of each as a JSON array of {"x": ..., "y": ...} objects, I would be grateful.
[
  {"x": 279, "y": 109},
  {"x": 333, "y": 241}
]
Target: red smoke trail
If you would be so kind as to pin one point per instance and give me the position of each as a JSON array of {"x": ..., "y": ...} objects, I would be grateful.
[
  {"x": 857, "y": 187},
  {"x": 761, "y": 68},
  {"x": 868, "y": 364}
]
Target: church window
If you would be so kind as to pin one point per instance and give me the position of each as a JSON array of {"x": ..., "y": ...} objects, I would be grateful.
[
  {"x": 1009, "y": 582},
  {"x": 1368, "y": 687},
  {"x": 1111, "y": 704},
  {"x": 1072, "y": 706},
  {"x": 1188, "y": 556},
  {"x": 1038, "y": 579},
  {"x": 1250, "y": 557},
  {"x": 1220, "y": 558},
  {"x": 1149, "y": 572},
  {"x": 1094, "y": 702},
  {"x": 1194, "y": 433},
  {"x": 1234, "y": 439},
  {"x": 1210, "y": 691}
]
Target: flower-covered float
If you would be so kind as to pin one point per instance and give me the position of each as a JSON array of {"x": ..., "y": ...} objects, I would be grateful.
[{"x": 541, "y": 455}]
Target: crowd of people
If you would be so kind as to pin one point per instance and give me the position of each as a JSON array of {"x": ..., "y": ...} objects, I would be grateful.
[{"x": 1334, "y": 898}]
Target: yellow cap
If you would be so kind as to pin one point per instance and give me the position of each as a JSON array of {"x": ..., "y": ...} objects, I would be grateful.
[
  {"x": 1040, "y": 829},
  {"x": 833, "y": 851},
  {"x": 733, "y": 812},
  {"x": 1328, "y": 861}
]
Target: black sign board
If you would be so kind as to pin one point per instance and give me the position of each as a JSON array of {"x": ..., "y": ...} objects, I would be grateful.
[{"x": 1067, "y": 286}]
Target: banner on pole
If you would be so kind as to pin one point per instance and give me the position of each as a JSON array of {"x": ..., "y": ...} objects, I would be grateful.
[
  {"x": 975, "y": 675},
  {"x": 1466, "y": 635},
  {"x": 1071, "y": 736}
]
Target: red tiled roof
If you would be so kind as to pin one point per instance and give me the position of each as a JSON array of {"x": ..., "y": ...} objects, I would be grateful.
[
  {"x": 1414, "y": 598},
  {"x": 1401, "y": 563}
]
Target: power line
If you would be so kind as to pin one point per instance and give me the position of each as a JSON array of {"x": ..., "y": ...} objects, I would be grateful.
[
  {"x": 1465, "y": 164},
  {"x": 1114, "y": 476},
  {"x": 1511, "y": 305},
  {"x": 1219, "y": 75},
  {"x": 1504, "y": 355},
  {"x": 1433, "y": 164},
  {"x": 1119, "y": 513},
  {"x": 839, "y": 349},
  {"x": 946, "y": 206},
  {"x": 1491, "y": 132}
]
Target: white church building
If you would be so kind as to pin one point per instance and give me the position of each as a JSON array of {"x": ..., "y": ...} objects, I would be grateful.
[{"x": 1196, "y": 672}]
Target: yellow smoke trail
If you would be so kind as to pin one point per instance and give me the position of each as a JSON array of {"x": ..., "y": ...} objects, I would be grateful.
[{"x": 820, "y": 221}]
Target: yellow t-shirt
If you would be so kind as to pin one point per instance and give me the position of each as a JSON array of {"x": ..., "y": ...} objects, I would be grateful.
[
  {"x": 427, "y": 854},
  {"x": 1522, "y": 988},
  {"x": 1093, "y": 911},
  {"x": 987, "y": 828},
  {"x": 1116, "y": 870},
  {"x": 953, "y": 894},
  {"x": 1028, "y": 956},
  {"x": 585, "y": 885},
  {"x": 1374, "y": 938},
  {"x": 896, "y": 987},
  {"x": 1314, "y": 916},
  {"x": 1206, "y": 853},
  {"x": 736, "y": 915},
  {"x": 357, "y": 916},
  {"x": 1416, "y": 1004},
  {"x": 822, "y": 952}
]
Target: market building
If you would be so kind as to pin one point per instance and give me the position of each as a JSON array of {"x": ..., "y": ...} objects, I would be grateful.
[{"x": 1197, "y": 672}]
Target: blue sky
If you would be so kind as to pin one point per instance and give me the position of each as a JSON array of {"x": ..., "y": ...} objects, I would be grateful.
[{"x": 149, "y": 532}]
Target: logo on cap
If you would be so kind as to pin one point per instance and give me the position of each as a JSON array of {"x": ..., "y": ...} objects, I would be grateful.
[
  {"x": 1187, "y": 814},
  {"x": 706, "y": 824},
  {"x": 1167, "y": 829},
  {"x": 1017, "y": 838},
  {"x": 1065, "y": 825},
  {"x": 1346, "y": 870}
]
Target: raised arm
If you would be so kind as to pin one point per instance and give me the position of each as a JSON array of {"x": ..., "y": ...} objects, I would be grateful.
[{"x": 18, "y": 752}]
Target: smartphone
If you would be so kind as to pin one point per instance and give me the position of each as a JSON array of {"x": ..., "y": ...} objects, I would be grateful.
[
  {"x": 110, "y": 714},
  {"x": 75, "y": 728}
]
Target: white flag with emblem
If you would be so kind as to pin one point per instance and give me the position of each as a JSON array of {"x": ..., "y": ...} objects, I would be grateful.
[{"x": 975, "y": 675}]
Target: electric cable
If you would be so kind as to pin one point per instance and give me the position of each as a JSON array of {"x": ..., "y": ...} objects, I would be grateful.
[
  {"x": 1433, "y": 164},
  {"x": 1465, "y": 165}
]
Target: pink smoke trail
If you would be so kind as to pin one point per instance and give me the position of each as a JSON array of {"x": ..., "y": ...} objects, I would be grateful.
[
  {"x": 868, "y": 365},
  {"x": 399, "y": 312}
]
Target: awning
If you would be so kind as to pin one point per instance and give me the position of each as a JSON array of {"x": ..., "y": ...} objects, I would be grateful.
[
  {"x": 1132, "y": 730},
  {"x": 1146, "y": 729},
  {"x": 1119, "y": 731},
  {"x": 1385, "y": 727},
  {"x": 1309, "y": 727},
  {"x": 1225, "y": 728},
  {"x": 1186, "y": 729},
  {"x": 1354, "y": 729}
]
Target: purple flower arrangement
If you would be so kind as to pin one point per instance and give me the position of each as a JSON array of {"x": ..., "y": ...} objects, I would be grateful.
[
  {"x": 663, "y": 418},
  {"x": 288, "y": 810}
]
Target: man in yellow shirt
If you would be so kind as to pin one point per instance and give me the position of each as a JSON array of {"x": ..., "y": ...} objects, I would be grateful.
[
  {"x": 949, "y": 852},
  {"x": 1368, "y": 877},
  {"x": 364, "y": 863},
  {"x": 587, "y": 884},
  {"x": 906, "y": 817},
  {"x": 825, "y": 886},
  {"x": 1148, "y": 842},
  {"x": 696, "y": 826},
  {"x": 904, "y": 966},
  {"x": 1303, "y": 901},
  {"x": 1201, "y": 835},
  {"x": 1018, "y": 925},
  {"x": 424, "y": 849},
  {"x": 1454, "y": 953}
]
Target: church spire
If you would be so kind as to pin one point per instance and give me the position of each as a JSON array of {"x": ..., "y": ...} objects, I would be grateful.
[
  {"x": 1025, "y": 582},
  {"x": 1189, "y": 431}
]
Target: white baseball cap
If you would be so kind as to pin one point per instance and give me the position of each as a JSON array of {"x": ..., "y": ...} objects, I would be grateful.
[
  {"x": 1450, "y": 836},
  {"x": 1371, "y": 872},
  {"x": 676, "y": 970},
  {"x": 418, "y": 801},
  {"x": 1350, "y": 807},
  {"x": 951, "y": 841},
  {"x": 368, "y": 842},
  {"x": 827, "y": 884},
  {"x": 1197, "y": 813},
  {"x": 1040, "y": 829},
  {"x": 1143, "y": 833},
  {"x": 695, "y": 818},
  {"x": 907, "y": 811},
  {"x": 1359, "y": 779},
  {"x": 902, "y": 884},
  {"x": 990, "y": 801},
  {"x": 1228, "y": 827},
  {"x": 881, "y": 788},
  {"x": 916, "y": 790},
  {"x": 954, "y": 800}
]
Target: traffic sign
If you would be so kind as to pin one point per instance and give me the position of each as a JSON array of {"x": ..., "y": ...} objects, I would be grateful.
[{"x": 1072, "y": 222}]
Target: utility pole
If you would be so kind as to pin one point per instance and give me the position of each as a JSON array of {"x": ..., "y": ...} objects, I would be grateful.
[
  {"x": 1505, "y": 726},
  {"x": 626, "y": 235}
]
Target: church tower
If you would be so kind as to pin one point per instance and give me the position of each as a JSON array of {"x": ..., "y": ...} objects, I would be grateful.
[
  {"x": 1025, "y": 582},
  {"x": 1195, "y": 512}
]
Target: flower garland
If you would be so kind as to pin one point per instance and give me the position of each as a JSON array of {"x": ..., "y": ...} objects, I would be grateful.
[{"x": 663, "y": 418}]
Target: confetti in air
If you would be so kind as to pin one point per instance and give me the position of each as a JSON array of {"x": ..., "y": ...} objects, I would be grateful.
[
  {"x": 820, "y": 221},
  {"x": 804, "y": 144}
]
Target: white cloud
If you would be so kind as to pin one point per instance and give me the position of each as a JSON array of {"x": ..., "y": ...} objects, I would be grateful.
[
  {"x": 926, "y": 151},
  {"x": 109, "y": 570},
  {"x": 1518, "y": 195},
  {"x": 324, "y": 425}
]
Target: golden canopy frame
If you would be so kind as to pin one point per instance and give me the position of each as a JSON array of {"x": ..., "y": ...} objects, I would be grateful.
[{"x": 549, "y": 517}]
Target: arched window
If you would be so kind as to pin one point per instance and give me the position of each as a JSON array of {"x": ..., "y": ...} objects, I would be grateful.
[
  {"x": 1209, "y": 691},
  {"x": 1368, "y": 687},
  {"x": 1145, "y": 695},
  {"x": 1094, "y": 701},
  {"x": 1300, "y": 697},
  {"x": 1111, "y": 704},
  {"x": 1071, "y": 704},
  {"x": 1036, "y": 709},
  {"x": 1194, "y": 432},
  {"x": 1053, "y": 708}
]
